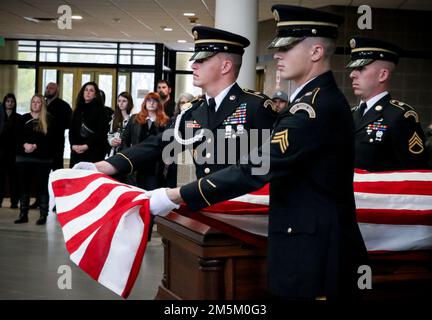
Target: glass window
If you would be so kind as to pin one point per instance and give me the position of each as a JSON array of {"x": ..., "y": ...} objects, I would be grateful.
[
  {"x": 26, "y": 50},
  {"x": 48, "y": 54},
  {"x": 67, "y": 87},
  {"x": 122, "y": 83},
  {"x": 25, "y": 89},
  {"x": 141, "y": 59},
  {"x": 86, "y": 52},
  {"x": 48, "y": 75},
  {"x": 137, "y": 53},
  {"x": 85, "y": 77},
  {"x": 105, "y": 83},
  {"x": 142, "y": 83}
]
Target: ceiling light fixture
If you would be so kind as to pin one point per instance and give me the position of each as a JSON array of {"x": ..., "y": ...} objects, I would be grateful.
[
  {"x": 77, "y": 17},
  {"x": 181, "y": 41},
  {"x": 167, "y": 29},
  {"x": 32, "y": 19},
  {"x": 189, "y": 14}
]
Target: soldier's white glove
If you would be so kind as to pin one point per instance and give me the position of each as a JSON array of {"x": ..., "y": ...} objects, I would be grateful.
[
  {"x": 160, "y": 204},
  {"x": 85, "y": 166}
]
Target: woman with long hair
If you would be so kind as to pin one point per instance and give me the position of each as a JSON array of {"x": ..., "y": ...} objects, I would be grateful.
[
  {"x": 151, "y": 120},
  {"x": 8, "y": 145},
  {"x": 34, "y": 158},
  {"x": 89, "y": 129},
  {"x": 119, "y": 120}
]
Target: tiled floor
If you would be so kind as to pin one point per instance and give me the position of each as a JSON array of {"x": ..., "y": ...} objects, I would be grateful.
[{"x": 30, "y": 257}]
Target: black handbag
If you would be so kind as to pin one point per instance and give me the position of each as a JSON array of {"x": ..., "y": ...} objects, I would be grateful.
[{"x": 85, "y": 131}]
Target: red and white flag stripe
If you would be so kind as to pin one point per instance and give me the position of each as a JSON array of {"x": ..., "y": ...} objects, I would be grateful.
[
  {"x": 105, "y": 225},
  {"x": 394, "y": 210}
]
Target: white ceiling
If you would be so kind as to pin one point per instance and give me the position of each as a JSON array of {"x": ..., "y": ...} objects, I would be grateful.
[{"x": 141, "y": 20}]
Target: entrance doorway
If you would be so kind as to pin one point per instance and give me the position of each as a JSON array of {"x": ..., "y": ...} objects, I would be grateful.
[{"x": 70, "y": 81}]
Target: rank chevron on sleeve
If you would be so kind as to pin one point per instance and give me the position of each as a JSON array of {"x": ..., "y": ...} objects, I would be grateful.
[
  {"x": 281, "y": 138},
  {"x": 415, "y": 140}
]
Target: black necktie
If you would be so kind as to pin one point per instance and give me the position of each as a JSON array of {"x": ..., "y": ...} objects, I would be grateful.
[
  {"x": 212, "y": 107},
  {"x": 362, "y": 109}
]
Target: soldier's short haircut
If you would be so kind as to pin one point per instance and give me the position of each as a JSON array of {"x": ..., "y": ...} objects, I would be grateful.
[
  {"x": 236, "y": 60},
  {"x": 328, "y": 44}
]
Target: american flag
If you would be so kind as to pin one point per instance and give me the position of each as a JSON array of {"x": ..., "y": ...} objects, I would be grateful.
[
  {"x": 394, "y": 210},
  {"x": 105, "y": 223}
]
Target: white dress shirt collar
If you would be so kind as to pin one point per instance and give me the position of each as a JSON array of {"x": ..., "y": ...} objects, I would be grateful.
[
  {"x": 220, "y": 96},
  {"x": 296, "y": 91},
  {"x": 370, "y": 103}
]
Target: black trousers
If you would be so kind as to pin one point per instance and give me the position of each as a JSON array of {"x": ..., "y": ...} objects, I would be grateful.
[{"x": 34, "y": 174}]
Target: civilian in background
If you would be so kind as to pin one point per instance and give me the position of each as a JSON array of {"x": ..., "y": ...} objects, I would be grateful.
[
  {"x": 34, "y": 158},
  {"x": 88, "y": 132},
  {"x": 280, "y": 99},
  {"x": 168, "y": 102},
  {"x": 8, "y": 145},
  {"x": 119, "y": 120},
  {"x": 61, "y": 111},
  {"x": 185, "y": 97}
]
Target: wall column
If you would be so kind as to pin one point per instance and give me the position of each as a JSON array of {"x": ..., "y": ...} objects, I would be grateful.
[{"x": 241, "y": 17}]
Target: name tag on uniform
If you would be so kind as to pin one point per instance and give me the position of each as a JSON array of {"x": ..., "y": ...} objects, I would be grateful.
[{"x": 194, "y": 124}]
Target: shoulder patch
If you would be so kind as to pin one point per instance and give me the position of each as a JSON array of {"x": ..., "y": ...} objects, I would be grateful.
[
  {"x": 305, "y": 107},
  {"x": 412, "y": 113},
  {"x": 310, "y": 94},
  {"x": 269, "y": 104},
  {"x": 254, "y": 93},
  {"x": 401, "y": 105},
  {"x": 192, "y": 103}
]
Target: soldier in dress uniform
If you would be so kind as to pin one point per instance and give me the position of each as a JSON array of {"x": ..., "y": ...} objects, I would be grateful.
[
  {"x": 225, "y": 106},
  {"x": 388, "y": 134},
  {"x": 314, "y": 243}
]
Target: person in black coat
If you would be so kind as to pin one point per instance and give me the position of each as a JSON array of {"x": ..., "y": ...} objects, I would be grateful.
[
  {"x": 89, "y": 127},
  {"x": 388, "y": 133},
  {"x": 8, "y": 145},
  {"x": 314, "y": 243},
  {"x": 34, "y": 157},
  {"x": 61, "y": 111}
]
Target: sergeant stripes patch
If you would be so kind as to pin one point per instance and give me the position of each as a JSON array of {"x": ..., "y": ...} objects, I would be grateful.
[{"x": 281, "y": 138}]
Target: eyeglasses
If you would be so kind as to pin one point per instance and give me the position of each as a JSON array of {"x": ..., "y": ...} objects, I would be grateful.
[{"x": 151, "y": 100}]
